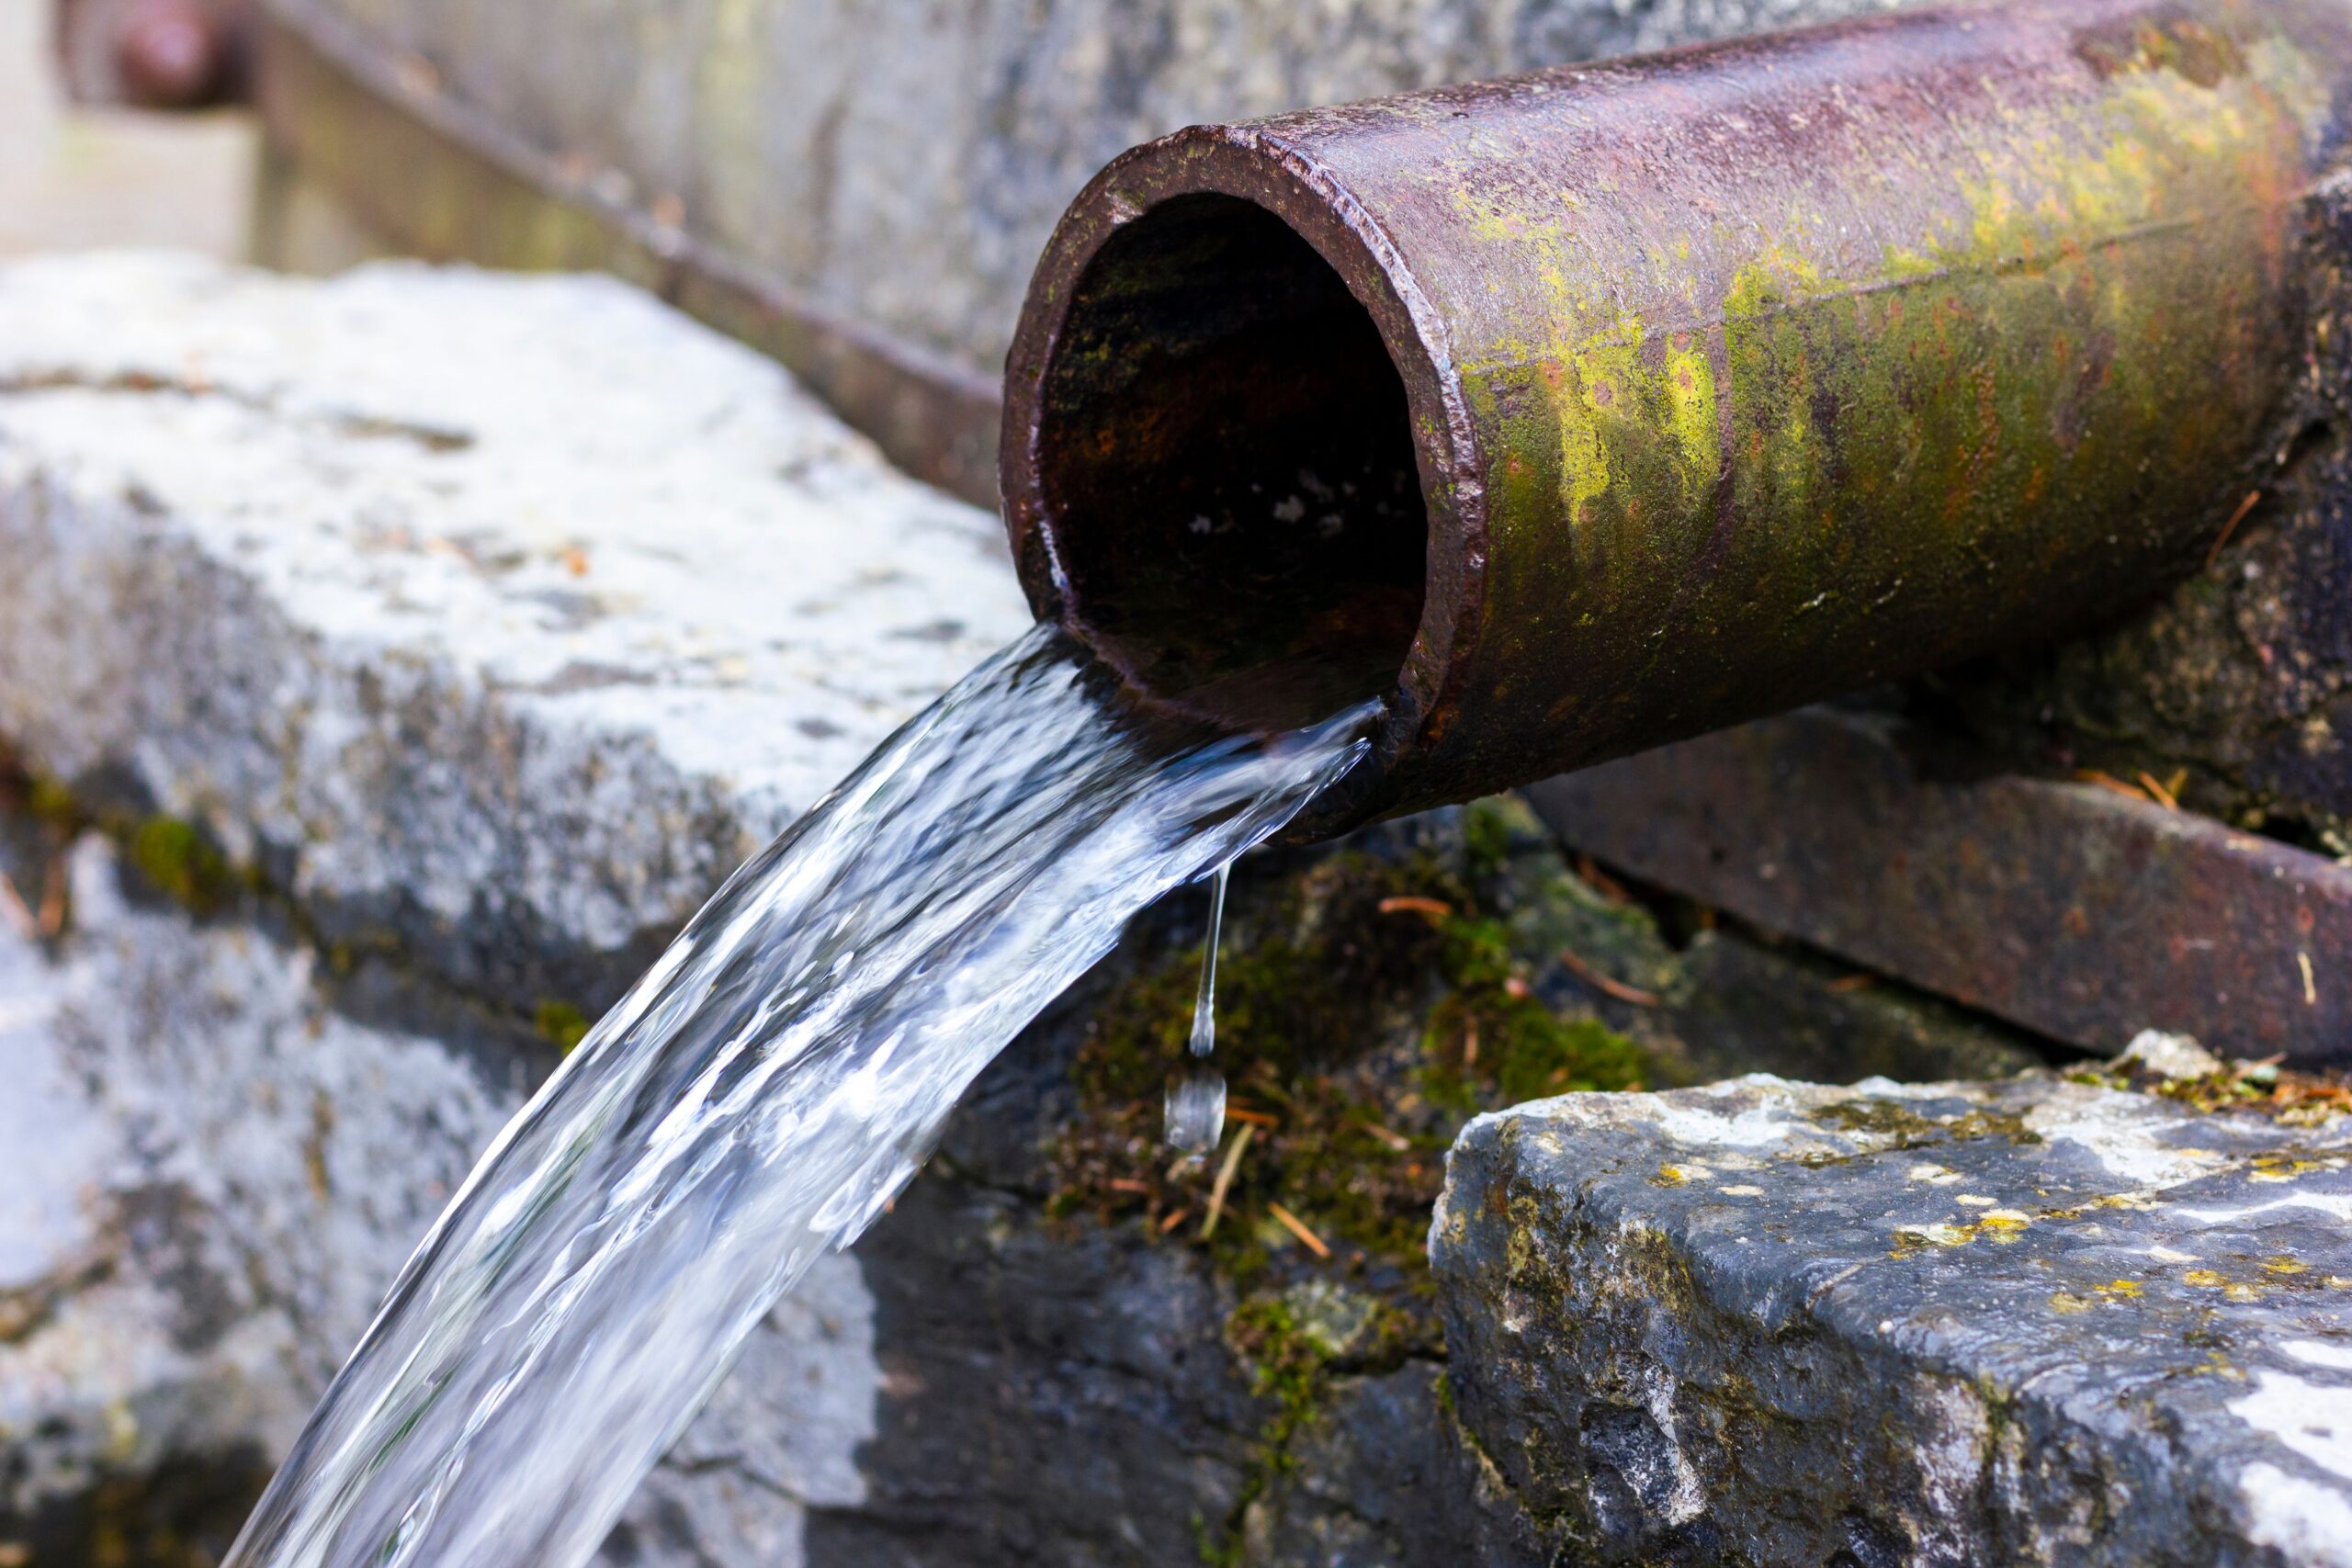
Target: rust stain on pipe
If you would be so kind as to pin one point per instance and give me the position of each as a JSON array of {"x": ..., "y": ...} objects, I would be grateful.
[{"x": 1595, "y": 407}]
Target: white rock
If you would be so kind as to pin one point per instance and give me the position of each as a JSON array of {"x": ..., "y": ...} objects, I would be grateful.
[
  {"x": 2172, "y": 1056},
  {"x": 504, "y": 610}
]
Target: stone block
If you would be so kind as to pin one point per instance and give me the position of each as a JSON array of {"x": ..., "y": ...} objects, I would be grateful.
[
  {"x": 499, "y": 616},
  {"x": 2031, "y": 1321}
]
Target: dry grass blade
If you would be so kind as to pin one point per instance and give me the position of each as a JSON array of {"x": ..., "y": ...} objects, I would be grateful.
[
  {"x": 1223, "y": 1182},
  {"x": 2110, "y": 784},
  {"x": 1297, "y": 1228},
  {"x": 52, "y": 898},
  {"x": 2231, "y": 527},
  {"x": 1609, "y": 985},
  {"x": 1435, "y": 909}
]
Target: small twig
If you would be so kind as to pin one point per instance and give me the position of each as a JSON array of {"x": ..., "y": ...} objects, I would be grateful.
[
  {"x": 1470, "y": 1040},
  {"x": 1608, "y": 887},
  {"x": 1617, "y": 988},
  {"x": 2110, "y": 783},
  {"x": 12, "y": 908},
  {"x": 1297, "y": 1228},
  {"x": 1435, "y": 909},
  {"x": 52, "y": 898},
  {"x": 1249, "y": 1113},
  {"x": 2158, "y": 792},
  {"x": 1127, "y": 1184},
  {"x": 1388, "y": 1135},
  {"x": 1861, "y": 980},
  {"x": 1223, "y": 1182},
  {"x": 1173, "y": 1221},
  {"x": 2231, "y": 526}
]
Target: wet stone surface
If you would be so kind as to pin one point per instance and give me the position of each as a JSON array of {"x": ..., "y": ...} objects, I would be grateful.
[{"x": 2034, "y": 1321}]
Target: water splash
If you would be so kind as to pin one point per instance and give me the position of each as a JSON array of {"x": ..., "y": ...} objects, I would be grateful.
[{"x": 761, "y": 1092}]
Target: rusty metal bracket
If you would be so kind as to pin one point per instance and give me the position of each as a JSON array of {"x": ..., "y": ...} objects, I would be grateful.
[
  {"x": 2063, "y": 907},
  {"x": 439, "y": 178}
]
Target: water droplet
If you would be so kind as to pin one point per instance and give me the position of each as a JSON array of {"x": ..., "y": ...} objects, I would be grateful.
[{"x": 1196, "y": 1110}]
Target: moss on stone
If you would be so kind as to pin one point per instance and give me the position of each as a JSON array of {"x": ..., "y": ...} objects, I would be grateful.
[
  {"x": 1907, "y": 1128},
  {"x": 559, "y": 1023},
  {"x": 1366, "y": 1007},
  {"x": 52, "y": 802},
  {"x": 181, "y": 863},
  {"x": 1292, "y": 1343}
]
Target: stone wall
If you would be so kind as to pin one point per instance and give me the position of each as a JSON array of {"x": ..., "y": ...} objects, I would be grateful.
[{"x": 903, "y": 162}]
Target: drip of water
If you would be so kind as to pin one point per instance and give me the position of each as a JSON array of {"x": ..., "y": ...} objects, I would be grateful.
[
  {"x": 1196, "y": 1104},
  {"x": 1195, "y": 1109},
  {"x": 1205, "y": 1004},
  {"x": 757, "y": 1097}
]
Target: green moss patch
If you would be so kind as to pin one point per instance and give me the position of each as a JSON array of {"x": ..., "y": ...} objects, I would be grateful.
[
  {"x": 1367, "y": 1007},
  {"x": 181, "y": 863},
  {"x": 559, "y": 1023}
]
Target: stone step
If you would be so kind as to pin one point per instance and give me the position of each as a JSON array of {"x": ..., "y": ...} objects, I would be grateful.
[
  {"x": 2033, "y": 1321},
  {"x": 499, "y": 616}
]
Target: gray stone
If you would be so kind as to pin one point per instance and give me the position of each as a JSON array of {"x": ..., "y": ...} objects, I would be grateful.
[
  {"x": 2034, "y": 1321},
  {"x": 501, "y": 615}
]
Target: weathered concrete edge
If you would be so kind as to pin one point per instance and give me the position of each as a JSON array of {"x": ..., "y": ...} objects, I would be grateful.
[
  {"x": 444, "y": 180},
  {"x": 525, "y": 811},
  {"x": 153, "y": 738}
]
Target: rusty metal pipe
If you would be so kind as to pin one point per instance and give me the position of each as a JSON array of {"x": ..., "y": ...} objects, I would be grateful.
[{"x": 1591, "y": 409}]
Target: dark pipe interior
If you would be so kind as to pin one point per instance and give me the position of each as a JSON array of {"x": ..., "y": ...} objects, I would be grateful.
[{"x": 1225, "y": 455}]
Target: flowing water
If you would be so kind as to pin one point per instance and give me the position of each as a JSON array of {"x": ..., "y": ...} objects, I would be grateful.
[{"x": 756, "y": 1099}]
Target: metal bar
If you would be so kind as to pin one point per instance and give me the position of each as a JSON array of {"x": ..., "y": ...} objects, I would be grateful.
[
  {"x": 2065, "y": 907},
  {"x": 440, "y": 179}
]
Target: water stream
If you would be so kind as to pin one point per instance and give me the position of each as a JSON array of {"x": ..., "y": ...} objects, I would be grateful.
[{"x": 757, "y": 1097}]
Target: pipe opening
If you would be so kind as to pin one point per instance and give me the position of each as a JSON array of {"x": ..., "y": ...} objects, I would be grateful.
[{"x": 1226, "y": 465}]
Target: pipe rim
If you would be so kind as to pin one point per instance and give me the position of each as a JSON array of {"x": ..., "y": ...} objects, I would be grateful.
[{"x": 1252, "y": 164}]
